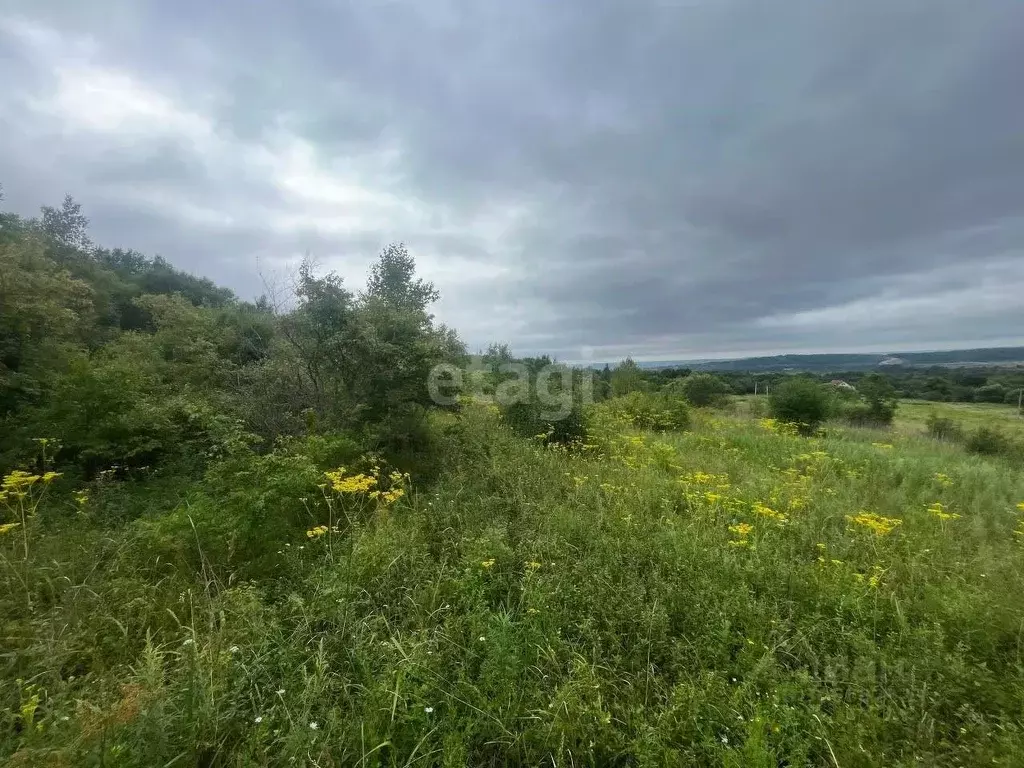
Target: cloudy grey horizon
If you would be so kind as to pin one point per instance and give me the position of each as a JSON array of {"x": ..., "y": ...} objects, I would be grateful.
[{"x": 670, "y": 179}]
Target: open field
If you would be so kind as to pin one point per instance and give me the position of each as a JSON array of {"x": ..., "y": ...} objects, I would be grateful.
[
  {"x": 912, "y": 415},
  {"x": 731, "y": 595}
]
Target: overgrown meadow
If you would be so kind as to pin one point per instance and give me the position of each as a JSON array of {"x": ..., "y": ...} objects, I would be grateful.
[
  {"x": 237, "y": 534},
  {"x": 729, "y": 595}
]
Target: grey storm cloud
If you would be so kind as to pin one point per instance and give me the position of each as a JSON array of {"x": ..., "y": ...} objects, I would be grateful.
[{"x": 674, "y": 178}]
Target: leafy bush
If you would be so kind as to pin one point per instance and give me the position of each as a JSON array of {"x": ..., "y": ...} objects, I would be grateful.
[
  {"x": 700, "y": 389},
  {"x": 800, "y": 401},
  {"x": 557, "y": 415},
  {"x": 855, "y": 412},
  {"x": 990, "y": 393},
  {"x": 943, "y": 428},
  {"x": 657, "y": 412},
  {"x": 988, "y": 442},
  {"x": 247, "y": 506},
  {"x": 881, "y": 398},
  {"x": 861, "y": 413}
]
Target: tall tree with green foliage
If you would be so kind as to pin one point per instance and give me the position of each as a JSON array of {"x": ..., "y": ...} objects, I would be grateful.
[{"x": 627, "y": 377}]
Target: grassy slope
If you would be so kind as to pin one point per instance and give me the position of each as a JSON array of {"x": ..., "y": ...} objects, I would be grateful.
[
  {"x": 538, "y": 608},
  {"x": 913, "y": 413}
]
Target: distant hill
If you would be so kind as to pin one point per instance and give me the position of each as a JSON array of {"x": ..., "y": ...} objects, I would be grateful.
[{"x": 995, "y": 356}]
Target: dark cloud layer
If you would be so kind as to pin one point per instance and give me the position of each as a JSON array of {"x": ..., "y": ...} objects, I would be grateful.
[{"x": 588, "y": 178}]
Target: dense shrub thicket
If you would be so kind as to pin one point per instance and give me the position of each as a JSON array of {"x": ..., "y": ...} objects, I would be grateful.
[{"x": 132, "y": 363}]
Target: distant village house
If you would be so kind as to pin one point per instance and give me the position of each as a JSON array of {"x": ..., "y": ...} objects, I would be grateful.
[{"x": 840, "y": 384}]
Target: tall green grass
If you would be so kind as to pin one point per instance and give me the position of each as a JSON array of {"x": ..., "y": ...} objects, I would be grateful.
[{"x": 700, "y": 597}]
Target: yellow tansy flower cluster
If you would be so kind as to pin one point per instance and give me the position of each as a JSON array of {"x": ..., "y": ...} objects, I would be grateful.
[
  {"x": 706, "y": 479},
  {"x": 765, "y": 511},
  {"x": 372, "y": 484},
  {"x": 940, "y": 511},
  {"x": 778, "y": 427},
  {"x": 18, "y": 497},
  {"x": 17, "y": 484},
  {"x": 877, "y": 524},
  {"x": 741, "y": 531},
  {"x": 341, "y": 483}
]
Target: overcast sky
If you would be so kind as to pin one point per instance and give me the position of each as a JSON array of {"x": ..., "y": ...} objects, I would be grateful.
[{"x": 667, "y": 179}]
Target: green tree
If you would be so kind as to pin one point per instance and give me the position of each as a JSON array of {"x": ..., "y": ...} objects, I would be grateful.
[
  {"x": 880, "y": 396},
  {"x": 990, "y": 393},
  {"x": 393, "y": 282},
  {"x": 45, "y": 314},
  {"x": 799, "y": 401},
  {"x": 66, "y": 227},
  {"x": 701, "y": 389},
  {"x": 627, "y": 377},
  {"x": 366, "y": 360}
]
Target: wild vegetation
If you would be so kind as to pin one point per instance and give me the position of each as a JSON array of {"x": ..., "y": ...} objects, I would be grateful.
[{"x": 239, "y": 534}]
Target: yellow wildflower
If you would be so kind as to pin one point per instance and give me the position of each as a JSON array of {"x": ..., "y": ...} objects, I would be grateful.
[
  {"x": 393, "y": 495},
  {"x": 19, "y": 479},
  {"x": 943, "y": 479},
  {"x": 1021, "y": 506},
  {"x": 780, "y": 427},
  {"x": 533, "y": 565},
  {"x": 319, "y": 530},
  {"x": 741, "y": 529},
  {"x": 765, "y": 511},
  {"x": 6, "y": 527},
  {"x": 487, "y": 563},
  {"x": 877, "y": 524},
  {"x": 876, "y": 576},
  {"x": 386, "y": 489},
  {"x": 940, "y": 511}
]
